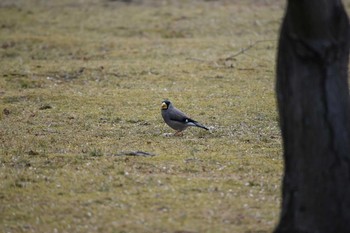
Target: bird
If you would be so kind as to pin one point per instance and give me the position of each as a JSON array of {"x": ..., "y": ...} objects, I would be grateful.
[{"x": 176, "y": 119}]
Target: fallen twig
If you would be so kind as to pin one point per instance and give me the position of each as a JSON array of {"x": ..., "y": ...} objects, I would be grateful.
[
  {"x": 245, "y": 49},
  {"x": 135, "y": 153},
  {"x": 229, "y": 58}
]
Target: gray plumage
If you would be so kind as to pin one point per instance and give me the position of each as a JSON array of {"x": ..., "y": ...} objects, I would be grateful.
[{"x": 177, "y": 119}]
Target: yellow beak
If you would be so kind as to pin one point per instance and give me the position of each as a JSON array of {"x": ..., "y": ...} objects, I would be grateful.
[{"x": 164, "y": 106}]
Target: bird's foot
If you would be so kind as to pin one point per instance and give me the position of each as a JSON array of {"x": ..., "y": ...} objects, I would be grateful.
[{"x": 178, "y": 134}]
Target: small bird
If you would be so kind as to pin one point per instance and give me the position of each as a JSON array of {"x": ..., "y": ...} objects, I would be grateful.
[{"x": 177, "y": 119}]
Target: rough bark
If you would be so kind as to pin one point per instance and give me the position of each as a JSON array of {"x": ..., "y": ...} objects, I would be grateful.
[{"x": 314, "y": 109}]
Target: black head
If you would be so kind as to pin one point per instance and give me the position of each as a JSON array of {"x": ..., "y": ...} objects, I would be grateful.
[{"x": 165, "y": 104}]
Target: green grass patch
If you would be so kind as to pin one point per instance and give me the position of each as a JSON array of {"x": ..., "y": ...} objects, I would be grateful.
[{"x": 82, "y": 81}]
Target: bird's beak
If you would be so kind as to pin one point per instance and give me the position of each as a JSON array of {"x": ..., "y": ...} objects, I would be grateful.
[{"x": 164, "y": 106}]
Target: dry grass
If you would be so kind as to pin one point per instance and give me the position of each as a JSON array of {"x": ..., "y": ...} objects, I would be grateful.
[{"x": 82, "y": 81}]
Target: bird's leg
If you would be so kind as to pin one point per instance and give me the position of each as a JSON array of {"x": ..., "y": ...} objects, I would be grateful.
[{"x": 178, "y": 133}]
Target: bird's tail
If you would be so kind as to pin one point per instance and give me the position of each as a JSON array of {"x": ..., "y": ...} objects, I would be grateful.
[
  {"x": 200, "y": 125},
  {"x": 191, "y": 122}
]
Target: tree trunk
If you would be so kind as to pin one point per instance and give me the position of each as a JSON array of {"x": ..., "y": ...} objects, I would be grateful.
[{"x": 314, "y": 109}]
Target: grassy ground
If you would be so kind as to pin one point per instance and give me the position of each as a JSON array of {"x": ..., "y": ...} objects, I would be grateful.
[{"x": 82, "y": 81}]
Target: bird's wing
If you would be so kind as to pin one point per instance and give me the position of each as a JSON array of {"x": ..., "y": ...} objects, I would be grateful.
[{"x": 177, "y": 115}]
